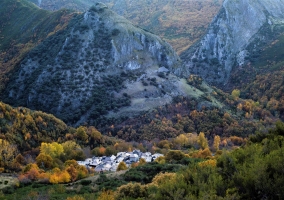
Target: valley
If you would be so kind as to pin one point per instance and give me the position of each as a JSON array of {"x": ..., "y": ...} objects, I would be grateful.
[{"x": 199, "y": 83}]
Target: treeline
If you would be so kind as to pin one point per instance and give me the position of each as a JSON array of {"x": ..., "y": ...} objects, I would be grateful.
[{"x": 237, "y": 117}]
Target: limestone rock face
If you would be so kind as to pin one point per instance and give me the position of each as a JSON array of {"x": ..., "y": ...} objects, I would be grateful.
[{"x": 237, "y": 31}]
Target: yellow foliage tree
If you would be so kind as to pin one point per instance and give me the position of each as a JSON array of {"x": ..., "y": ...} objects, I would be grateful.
[
  {"x": 82, "y": 172},
  {"x": 206, "y": 153},
  {"x": 216, "y": 143},
  {"x": 107, "y": 195},
  {"x": 52, "y": 149},
  {"x": 121, "y": 166},
  {"x": 236, "y": 93},
  {"x": 210, "y": 162},
  {"x": 142, "y": 161},
  {"x": 182, "y": 140},
  {"x": 202, "y": 141},
  {"x": 77, "y": 197},
  {"x": 59, "y": 176},
  {"x": 161, "y": 160}
]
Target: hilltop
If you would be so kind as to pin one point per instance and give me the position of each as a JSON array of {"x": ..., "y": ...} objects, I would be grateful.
[{"x": 181, "y": 23}]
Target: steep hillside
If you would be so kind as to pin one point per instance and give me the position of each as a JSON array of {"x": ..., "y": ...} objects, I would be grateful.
[
  {"x": 23, "y": 26},
  {"x": 99, "y": 63},
  {"x": 27, "y": 128},
  {"x": 179, "y": 22},
  {"x": 234, "y": 38}
]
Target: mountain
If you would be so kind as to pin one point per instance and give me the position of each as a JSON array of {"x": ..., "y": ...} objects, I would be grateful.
[
  {"x": 99, "y": 63},
  {"x": 179, "y": 22},
  {"x": 234, "y": 39},
  {"x": 24, "y": 26}
]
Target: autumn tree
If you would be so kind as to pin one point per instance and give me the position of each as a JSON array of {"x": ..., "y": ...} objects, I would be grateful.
[
  {"x": 202, "y": 141},
  {"x": 132, "y": 191},
  {"x": 72, "y": 151},
  {"x": 121, "y": 166},
  {"x": 236, "y": 93},
  {"x": 95, "y": 136},
  {"x": 142, "y": 161},
  {"x": 176, "y": 155},
  {"x": 52, "y": 149},
  {"x": 59, "y": 176},
  {"x": 107, "y": 195},
  {"x": 216, "y": 143},
  {"x": 44, "y": 161},
  {"x": 182, "y": 140},
  {"x": 81, "y": 134},
  {"x": 8, "y": 153}
]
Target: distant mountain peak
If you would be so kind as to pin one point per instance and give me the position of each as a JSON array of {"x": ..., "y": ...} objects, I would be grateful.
[{"x": 239, "y": 29}]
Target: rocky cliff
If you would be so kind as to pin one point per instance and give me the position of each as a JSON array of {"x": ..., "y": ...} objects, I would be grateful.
[
  {"x": 234, "y": 37},
  {"x": 99, "y": 65}
]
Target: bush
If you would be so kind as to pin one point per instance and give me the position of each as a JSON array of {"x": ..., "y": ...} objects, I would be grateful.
[{"x": 131, "y": 190}]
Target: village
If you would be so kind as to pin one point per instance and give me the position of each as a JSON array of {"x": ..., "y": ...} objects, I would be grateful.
[{"x": 110, "y": 163}]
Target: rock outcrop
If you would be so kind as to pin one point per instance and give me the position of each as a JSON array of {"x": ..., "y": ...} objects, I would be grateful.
[{"x": 239, "y": 29}]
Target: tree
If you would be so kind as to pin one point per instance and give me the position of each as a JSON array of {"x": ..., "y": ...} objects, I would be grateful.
[
  {"x": 59, "y": 176},
  {"x": 73, "y": 172},
  {"x": 81, "y": 134},
  {"x": 202, "y": 141},
  {"x": 174, "y": 156},
  {"x": 132, "y": 191},
  {"x": 52, "y": 149},
  {"x": 142, "y": 161},
  {"x": 121, "y": 166},
  {"x": 216, "y": 143},
  {"x": 107, "y": 195},
  {"x": 8, "y": 152},
  {"x": 182, "y": 140},
  {"x": 71, "y": 151},
  {"x": 44, "y": 161},
  {"x": 236, "y": 93}
]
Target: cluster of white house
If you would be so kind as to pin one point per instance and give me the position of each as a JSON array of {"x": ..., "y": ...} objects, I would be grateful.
[{"x": 111, "y": 163}]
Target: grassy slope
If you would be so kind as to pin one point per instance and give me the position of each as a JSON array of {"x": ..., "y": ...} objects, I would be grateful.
[{"x": 23, "y": 26}]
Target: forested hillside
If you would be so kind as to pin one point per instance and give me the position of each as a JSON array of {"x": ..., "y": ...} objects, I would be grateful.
[
  {"x": 83, "y": 86},
  {"x": 23, "y": 26}
]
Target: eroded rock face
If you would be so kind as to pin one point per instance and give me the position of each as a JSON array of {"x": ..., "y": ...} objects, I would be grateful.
[
  {"x": 84, "y": 71},
  {"x": 237, "y": 27}
]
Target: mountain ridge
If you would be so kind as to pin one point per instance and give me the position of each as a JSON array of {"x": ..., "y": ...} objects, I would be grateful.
[
  {"x": 220, "y": 50},
  {"x": 180, "y": 23},
  {"x": 99, "y": 63},
  {"x": 17, "y": 39}
]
